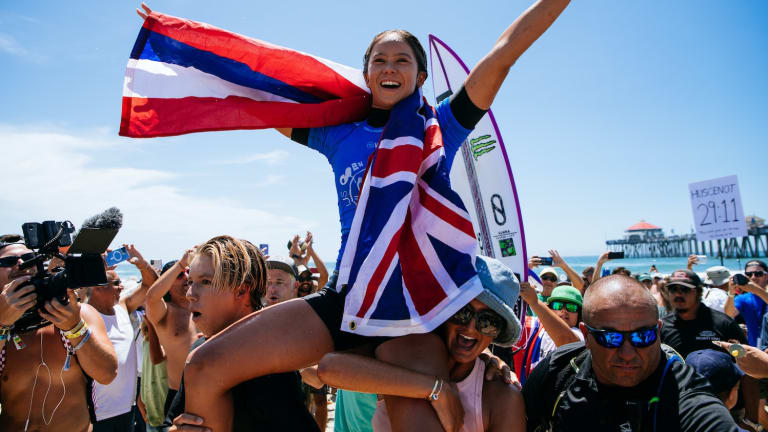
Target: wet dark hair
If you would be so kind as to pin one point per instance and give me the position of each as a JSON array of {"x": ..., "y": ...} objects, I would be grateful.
[
  {"x": 405, "y": 36},
  {"x": 758, "y": 263}
]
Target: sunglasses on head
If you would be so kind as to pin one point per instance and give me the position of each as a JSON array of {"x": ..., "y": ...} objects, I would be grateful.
[
  {"x": 639, "y": 338},
  {"x": 11, "y": 260},
  {"x": 487, "y": 322},
  {"x": 550, "y": 278},
  {"x": 758, "y": 273},
  {"x": 678, "y": 288},
  {"x": 558, "y": 305}
]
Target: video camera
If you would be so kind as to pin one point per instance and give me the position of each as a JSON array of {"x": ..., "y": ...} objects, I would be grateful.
[{"x": 83, "y": 264}]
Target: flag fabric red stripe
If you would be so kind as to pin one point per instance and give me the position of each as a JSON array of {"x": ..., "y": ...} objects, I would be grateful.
[
  {"x": 154, "y": 117},
  {"x": 424, "y": 289},
  {"x": 436, "y": 207},
  {"x": 378, "y": 276},
  {"x": 402, "y": 158}
]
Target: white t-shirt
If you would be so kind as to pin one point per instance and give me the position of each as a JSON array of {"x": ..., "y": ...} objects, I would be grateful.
[
  {"x": 714, "y": 298},
  {"x": 117, "y": 397},
  {"x": 548, "y": 345}
]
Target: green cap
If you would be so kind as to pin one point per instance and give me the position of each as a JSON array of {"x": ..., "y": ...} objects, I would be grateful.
[{"x": 565, "y": 293}]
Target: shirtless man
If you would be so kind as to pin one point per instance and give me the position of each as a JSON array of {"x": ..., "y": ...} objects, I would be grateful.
[
  {"x": 167, "y": 310},
  {"x": 31, "y": 372}
]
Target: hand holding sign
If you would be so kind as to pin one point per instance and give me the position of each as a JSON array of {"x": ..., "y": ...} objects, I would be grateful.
[{"x": 717, "y": 209}]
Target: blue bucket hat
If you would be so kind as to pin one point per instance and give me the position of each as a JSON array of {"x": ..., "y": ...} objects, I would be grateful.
[{"x": 500, "y": 292}]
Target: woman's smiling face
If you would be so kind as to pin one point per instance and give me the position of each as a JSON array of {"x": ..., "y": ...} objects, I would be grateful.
[{"x": 392, "y": 72}]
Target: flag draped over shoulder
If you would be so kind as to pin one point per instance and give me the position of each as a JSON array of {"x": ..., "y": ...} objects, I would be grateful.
[
  {"x": 184, "y": 76},
  {"x": 409, "y": 261}
]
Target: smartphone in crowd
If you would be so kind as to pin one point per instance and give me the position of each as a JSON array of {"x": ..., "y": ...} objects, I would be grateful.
[
  {"x": 116, "y": 256},
  {"x": 547, "y": 261},
  {"x": 740, "y": 279},
  {"x": 701, "y": 259},
  {"x": 616, "y": 255},
  {"x": 264, "y": 248}
]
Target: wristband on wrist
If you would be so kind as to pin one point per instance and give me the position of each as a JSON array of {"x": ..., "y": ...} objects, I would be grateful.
[
  {"x": 78, "y": 331},
  {"x": 436, "y": 389},
  {"x": 82, "y": 342},
  {"x": 75, "y": 329}
]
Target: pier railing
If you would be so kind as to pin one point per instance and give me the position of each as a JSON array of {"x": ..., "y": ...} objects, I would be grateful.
[{"x": 755, "y": 244}]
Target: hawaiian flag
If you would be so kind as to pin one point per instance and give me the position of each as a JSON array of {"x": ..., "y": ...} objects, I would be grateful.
[
  {"x": 409, "y": 261},
  {"x": 184, "y": 76}
]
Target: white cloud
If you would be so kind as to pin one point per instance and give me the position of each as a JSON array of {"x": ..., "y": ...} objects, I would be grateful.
[
  {"x": 53, "y": 174},
  {"x": 9, "y": 45},
  {"x": 272, "y": 158}
]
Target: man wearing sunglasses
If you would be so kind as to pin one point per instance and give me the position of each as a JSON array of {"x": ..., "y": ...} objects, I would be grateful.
[
  {"x": 23, "y": 378},
  {"x": 114, "y": 402},
  {"x": 751, "y": 304},
  {"x": 623, "y": 378},
  {"x": 693, "y": 326}
]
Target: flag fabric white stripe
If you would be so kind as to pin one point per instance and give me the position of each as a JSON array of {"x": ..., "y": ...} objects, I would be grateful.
[
  {"x": 403, "y": 140},
  {"x": 393, "y": 178},
  {"x": 153, "y": 79}
]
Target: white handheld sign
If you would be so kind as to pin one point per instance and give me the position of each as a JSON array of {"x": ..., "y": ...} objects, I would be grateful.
[{"x": 717, "y": 209}]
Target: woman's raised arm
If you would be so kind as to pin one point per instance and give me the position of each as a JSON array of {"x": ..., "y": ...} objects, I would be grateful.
[{"x": 485, "y": 79}]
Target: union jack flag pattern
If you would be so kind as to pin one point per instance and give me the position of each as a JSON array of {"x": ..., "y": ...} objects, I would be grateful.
[{"x": 409, "y": 261}]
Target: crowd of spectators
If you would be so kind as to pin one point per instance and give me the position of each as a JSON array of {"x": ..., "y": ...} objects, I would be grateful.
[{"x": 609, "y": 349}]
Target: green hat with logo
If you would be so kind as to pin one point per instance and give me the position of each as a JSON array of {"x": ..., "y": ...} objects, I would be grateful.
[{"x": 565, "y": 293}]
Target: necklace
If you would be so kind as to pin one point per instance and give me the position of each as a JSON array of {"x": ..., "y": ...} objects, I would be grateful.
[{"x": 32, "y": 397}]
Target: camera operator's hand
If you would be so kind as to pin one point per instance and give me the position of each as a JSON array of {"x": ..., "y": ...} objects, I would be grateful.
[
  {"x": 14, "y": 301},
  {"x": 63, "y": 316},
  {"x": 135, "y": 256}
]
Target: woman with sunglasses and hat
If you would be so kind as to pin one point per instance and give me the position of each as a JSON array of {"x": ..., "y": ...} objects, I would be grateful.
[{"x": 484, "y": 405}]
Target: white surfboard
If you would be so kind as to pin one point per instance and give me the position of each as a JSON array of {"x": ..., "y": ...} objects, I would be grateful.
[{"x": 482, "y": 176}]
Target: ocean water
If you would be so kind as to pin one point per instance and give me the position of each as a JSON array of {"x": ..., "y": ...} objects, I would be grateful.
[{"x": 578, "y": 263}]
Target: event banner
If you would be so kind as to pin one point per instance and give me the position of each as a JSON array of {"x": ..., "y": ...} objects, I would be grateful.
[{"x": 717, "y": 209}]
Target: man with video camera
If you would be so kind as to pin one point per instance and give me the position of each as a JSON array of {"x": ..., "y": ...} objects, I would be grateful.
[{"x": 46, "y": 373}]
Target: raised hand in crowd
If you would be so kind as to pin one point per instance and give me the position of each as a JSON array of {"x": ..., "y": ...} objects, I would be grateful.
[
  {"x": 753, "y": 362},
  {"x": 574, "y": 277},
  {"x": 557, "y": 329},
  {"x": 692, "y": 260},
  {"x": 602, "y": 259}
]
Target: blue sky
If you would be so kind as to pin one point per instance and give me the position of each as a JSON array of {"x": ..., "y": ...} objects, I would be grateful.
[{"x": 607, "y": 118}]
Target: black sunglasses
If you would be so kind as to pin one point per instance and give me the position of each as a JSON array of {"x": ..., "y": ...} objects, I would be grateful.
[
  {"x": 558, "y": 305},
  {"x": 11, "y": 260},
  {"x": 758, "y": 273},
  {"x": 638, "y": 338},
  {"x": 487, "y": 322},
  {"x": 679, "y": 288},
  {"x": 116, "y": 282},
  {"x": 549, "y": 278}
]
